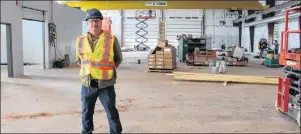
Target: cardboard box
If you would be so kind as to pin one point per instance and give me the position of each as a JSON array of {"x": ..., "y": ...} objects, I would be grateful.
[
  {"x": 159, "y": 56},
  {"x": 160, "y": 66},
  {"x": 159, "y": 63},
  {"x": 168, "y": 56},
  {"x": 151, "y": 63},
  {"x": 168, "y": 60},
  {"x": 159, "y": 59},
  {"x": 168, "y": 53},
  {"x": 151, "y": 59},
  {"x": 159, "y": 53},
  {"x": 151, "y": 56},
  {"x": 162, "y": 43}
]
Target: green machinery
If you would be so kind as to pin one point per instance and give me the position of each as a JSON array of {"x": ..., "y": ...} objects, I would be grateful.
[
  {"x": 187, "y": 45},
  {"x": 182, "y": 49},
  {"x": 270, "y": 60}
]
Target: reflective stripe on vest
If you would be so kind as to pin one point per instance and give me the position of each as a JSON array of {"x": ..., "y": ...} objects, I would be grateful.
[
  {"x": 107, "y": 47},
  {"x": 85, "y": 62}
]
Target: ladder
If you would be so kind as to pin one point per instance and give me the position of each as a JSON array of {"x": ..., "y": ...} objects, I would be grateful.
[{"x": 141, "y": 17}]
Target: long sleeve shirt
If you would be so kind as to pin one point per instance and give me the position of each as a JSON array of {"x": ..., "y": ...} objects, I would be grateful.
[{"x": 117, "y": 59}]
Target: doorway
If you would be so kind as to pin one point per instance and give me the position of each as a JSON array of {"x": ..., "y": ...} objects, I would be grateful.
[
  {"x": 6, "y": 51},
  {"x": 33, "y": 44}
]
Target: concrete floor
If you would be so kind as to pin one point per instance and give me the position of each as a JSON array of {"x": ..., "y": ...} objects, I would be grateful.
[{"x": 48, "y": 101}]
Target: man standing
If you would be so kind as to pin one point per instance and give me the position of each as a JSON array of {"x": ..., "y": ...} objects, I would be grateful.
[
  {"x": 276, "y": 47},
  {"x": 99, "y": 55}
]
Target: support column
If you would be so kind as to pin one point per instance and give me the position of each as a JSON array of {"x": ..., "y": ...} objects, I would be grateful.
[
  {"x": 252, "y": 28},
  {"x": 122, "y": 28},
  {"x": 270, "y": 32},
  {"x": 203, "y": 22},
  {"x": 239, "y": 28},
  {"x": 240, "y": 34}
]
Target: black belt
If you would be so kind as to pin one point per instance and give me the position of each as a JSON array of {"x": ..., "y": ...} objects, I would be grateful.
[{"x": 94, "y": 83}]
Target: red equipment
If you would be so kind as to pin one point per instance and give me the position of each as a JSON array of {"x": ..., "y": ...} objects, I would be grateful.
[
  {"x": 286, "y": 58},
  {"x": 288, "y": 98},
  {"x": 106, "y": 24}
]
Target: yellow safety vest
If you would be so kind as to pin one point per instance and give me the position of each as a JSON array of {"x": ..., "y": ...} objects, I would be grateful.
[{"x": 100, "y": 63}]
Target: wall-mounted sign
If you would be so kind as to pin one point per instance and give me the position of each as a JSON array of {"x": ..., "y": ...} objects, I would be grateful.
[{"x": 156, "y": 3}]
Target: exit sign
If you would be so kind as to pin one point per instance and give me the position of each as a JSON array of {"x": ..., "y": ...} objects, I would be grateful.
[{"x": 156, "y": 3}]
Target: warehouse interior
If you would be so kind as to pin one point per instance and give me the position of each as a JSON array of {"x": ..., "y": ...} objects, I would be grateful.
[{"x": 200, "y": 66}]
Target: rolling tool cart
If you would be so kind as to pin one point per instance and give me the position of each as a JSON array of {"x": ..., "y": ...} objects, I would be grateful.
[{"x": 288, "y": 98}]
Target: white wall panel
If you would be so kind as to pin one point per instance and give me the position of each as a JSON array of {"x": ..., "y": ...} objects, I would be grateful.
[
  {"x": 245, "y": 39},
  {"x": 3, "y": 44},
  {"x": 261, "y": 31},
  {"x": 221, "y": 33}
]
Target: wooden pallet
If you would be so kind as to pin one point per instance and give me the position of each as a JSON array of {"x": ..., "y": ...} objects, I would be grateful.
[
  {"x": 158, "y": 70},
  {"x": 200, "y": 64},
  {"x": 237, "y": 65}
]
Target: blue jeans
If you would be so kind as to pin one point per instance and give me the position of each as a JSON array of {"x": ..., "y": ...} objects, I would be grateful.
[{"x": 107, "y": 97}]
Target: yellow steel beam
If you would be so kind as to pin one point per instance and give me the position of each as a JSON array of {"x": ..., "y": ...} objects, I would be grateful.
[{"x": 118, "y": 5}]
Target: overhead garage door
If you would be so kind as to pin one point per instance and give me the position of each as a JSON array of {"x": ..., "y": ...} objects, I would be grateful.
[
  {"x": 176, "y": 26},
  {"x": 180, "y": 22},
  {"x": 130, "y": 29}
]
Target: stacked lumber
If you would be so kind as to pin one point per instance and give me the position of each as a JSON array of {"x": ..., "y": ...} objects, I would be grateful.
[
  {"x": 203, "y": 58},
  {"x": 162, "y": 57},
  {"x": 200, "y": 59},
  {"x": 225, "y": 78}
]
